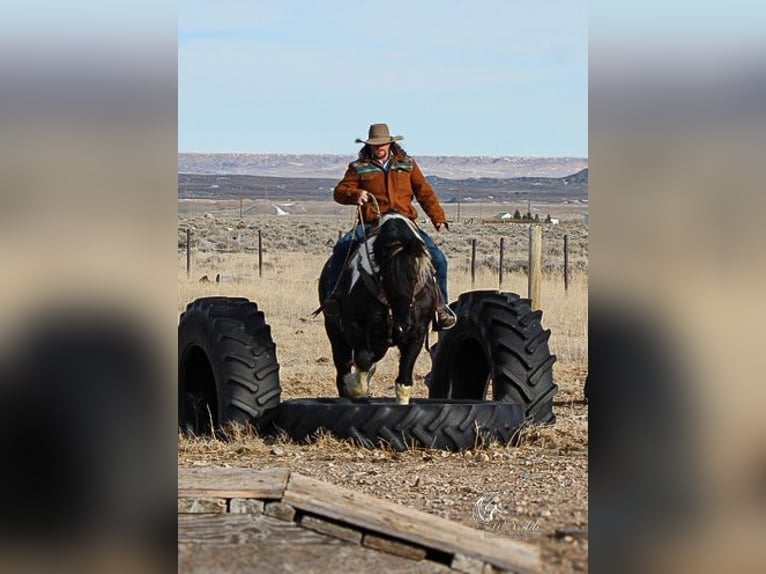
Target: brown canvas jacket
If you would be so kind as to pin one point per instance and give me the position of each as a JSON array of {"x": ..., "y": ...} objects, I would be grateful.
[{"x": 393, "y": 190}]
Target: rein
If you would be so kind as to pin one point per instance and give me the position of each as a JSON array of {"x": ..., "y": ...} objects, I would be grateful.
[{"x": 360, "y": 215}]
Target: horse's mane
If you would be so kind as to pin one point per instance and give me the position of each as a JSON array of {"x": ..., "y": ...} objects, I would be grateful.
[{"x": 402, "y": 257}]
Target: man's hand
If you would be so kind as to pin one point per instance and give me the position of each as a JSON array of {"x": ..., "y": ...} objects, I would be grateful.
[{"x": 363, "y": 197}]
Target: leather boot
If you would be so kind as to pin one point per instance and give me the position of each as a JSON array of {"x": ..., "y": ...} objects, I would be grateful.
[{"x": 445, "y": 318}]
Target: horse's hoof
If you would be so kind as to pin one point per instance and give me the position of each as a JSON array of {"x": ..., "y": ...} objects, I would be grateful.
[
  {"x": 356, "y": 385},
  {"x": 403, "y": 393}
]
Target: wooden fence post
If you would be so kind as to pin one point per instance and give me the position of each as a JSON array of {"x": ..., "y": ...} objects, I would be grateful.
[
  {"x": 260, "y": 255},
  {"x": 473, "y": 263},
  {"x": 535, "y": 264},
  {"x": 188, "y": 252},
  {"x": 566, "y": 262},
  {"x": 500, "y": 266}
]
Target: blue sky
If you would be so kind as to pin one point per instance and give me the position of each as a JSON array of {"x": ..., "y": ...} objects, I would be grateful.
[{"x": 454, "y": 77}]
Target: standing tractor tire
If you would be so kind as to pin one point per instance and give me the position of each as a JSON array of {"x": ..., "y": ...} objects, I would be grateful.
[
  {"x": 498, "y": 340},
  {"x": 424, "y": 423},
  {"x": 227, "y": 365}
]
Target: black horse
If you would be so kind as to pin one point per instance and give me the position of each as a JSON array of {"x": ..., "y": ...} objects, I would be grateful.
[{"x": 387, "y": 296}]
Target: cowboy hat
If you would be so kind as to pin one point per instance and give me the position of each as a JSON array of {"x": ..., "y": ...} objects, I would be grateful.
[{"x": 379, "y": 135}]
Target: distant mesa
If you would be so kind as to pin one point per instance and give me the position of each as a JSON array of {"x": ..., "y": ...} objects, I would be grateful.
[{"x": 334, "y": 165}]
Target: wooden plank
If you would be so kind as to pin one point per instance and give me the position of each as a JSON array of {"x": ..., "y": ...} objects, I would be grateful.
[
  {"x": 389, "y": 519},
  {"x": 394, "y": 547},
  {"x": 277, "y": 557},
  {"x": 331, "y": 529},
  {"x": 213, "y": 482},
  {"x": 260, "y": 543},
  {"x": 261, "y": 494},
  {"x": 243, "y": 529}
]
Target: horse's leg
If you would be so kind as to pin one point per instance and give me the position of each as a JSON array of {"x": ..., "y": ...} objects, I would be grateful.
[
  {"x": 357, "y": 382},
  {"x": 408, "y": 354},
  {"x": 341, "y": 355}
]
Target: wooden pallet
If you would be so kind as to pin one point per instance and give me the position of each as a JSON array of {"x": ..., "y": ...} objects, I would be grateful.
[{"x": 343, "y": 514}]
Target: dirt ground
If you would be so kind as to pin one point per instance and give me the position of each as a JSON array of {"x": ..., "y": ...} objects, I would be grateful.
[{"x": 540, "y": 486}]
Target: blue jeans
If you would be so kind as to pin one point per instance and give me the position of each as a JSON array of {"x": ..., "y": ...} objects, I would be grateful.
[{"x": 351, "y": 239}]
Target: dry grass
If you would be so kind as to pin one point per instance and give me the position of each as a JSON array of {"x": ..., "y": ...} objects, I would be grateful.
[
  {"x": 287, "y": 295},
  {"x": 547, "y": 472},
  {"x": 295, "y": 250}
]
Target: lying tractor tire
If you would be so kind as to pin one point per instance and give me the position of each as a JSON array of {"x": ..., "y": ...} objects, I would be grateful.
[
  {"x": 424, "y": 423},
  {"x": 497, "y": 339},
  {"x": 227, "y": 365}
]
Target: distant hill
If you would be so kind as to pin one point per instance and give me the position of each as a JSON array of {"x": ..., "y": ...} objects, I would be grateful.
[
  {"x": 333, "y": 166},
  {"x": 229, "y": 186},
  {"x": 581, "y": 177}
]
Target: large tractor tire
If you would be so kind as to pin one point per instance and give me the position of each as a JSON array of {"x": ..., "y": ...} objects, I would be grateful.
[
  {"x": 498, "y": 343},
  {"x": 227, "y": 365},
  {"x": 424, "y": 423}
]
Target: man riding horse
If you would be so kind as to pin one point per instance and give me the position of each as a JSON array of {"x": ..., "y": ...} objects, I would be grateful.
[
  {"x": 395, "y": 283},
  {"x": 386, "y": 173}
]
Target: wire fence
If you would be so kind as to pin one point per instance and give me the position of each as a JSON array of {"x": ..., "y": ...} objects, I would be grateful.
[{"x": 534, "y": 267}]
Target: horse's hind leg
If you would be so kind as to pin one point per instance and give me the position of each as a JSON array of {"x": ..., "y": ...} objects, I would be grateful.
[{"x": 341, "y": 356}]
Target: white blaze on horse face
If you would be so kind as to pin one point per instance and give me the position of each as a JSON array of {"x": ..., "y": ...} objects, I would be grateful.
[{"x": 403, "y": 393}]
